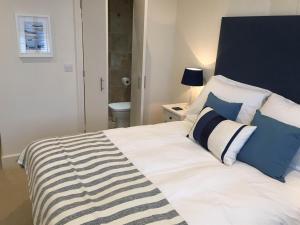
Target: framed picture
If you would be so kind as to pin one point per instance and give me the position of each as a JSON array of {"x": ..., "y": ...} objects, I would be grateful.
[{"x": 34, "y": 36}]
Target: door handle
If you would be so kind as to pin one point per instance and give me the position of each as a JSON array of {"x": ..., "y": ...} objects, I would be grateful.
[{"x": 101, "y": 84}]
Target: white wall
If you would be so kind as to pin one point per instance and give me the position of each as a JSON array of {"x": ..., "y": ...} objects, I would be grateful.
[
  {"x": 37, "y": 98},
  {"x": 198, "y": 26},
  {"x": 159, "y": 57}
]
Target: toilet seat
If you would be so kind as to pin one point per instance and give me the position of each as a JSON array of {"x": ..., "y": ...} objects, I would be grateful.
[{"x": 120, "y": 106}]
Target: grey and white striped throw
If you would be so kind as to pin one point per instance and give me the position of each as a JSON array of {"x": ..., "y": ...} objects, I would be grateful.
[{"x": 86, "y": 179}]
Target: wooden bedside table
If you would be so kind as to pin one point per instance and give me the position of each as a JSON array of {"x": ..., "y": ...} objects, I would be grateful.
[{"x": 171, "y": 114}]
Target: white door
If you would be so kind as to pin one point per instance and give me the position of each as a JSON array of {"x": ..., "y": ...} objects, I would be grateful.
[
  {"x": 138, "y": 61},
  {"x": 95, "y": 48}
]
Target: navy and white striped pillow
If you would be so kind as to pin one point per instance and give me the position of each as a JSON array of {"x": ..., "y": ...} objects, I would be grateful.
[{"x": 222, "y": 137}]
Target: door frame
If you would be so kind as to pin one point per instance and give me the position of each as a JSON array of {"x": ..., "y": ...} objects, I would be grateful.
[
  {"x": 142, "y": 80},
  {"x": 79, "y": 65},
  {"x": 144, "y": 71},
  {"x": 79, "y": 58}
]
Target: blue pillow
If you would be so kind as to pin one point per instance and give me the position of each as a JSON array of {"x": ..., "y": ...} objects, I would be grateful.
[
  {"x": 226, "y": 109},
  {"x": 272, "y": 147}
]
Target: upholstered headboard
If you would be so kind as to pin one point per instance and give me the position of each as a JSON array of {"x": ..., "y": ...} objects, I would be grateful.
[{"x": 263, "y": 51}]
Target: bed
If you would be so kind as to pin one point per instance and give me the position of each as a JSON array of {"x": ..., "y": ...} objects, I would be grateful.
[
  {"x": 201, "y": 189},
  {"x": 194, "y": 186}
]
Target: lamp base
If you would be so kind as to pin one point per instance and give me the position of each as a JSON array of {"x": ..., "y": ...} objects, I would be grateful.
[
  {"x": 191, "y": 96},
  {"x": 194, "y": 93}
]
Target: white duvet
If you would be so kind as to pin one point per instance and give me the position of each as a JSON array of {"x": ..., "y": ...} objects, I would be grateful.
[{"x": 200, "y": 188}]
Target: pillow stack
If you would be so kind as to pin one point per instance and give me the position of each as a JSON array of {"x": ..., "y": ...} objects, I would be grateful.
[{"x": 271, "y": 144}]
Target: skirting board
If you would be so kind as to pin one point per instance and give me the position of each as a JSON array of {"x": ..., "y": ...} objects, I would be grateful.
[{"x": 10, "y": 161}]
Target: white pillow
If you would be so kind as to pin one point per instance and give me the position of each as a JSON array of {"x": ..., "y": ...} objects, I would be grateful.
[
  {"x": 223, "y": 138},
  {"x": 232, "y": 91},
  {"x": 286, "y": 111},
  {"x": 236, "y": 83}
]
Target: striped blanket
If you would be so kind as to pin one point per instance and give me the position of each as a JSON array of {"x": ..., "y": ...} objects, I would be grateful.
[{"x": 86, "y": 179}]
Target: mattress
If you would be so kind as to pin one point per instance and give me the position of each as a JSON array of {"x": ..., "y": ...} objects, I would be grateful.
[{"x": 199, "y": 187}]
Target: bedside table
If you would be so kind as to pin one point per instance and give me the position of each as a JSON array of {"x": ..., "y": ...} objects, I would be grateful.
[{"x": 171, "y": 114}]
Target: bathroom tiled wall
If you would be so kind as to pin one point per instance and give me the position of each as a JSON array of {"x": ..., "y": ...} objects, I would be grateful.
[{"x": 120, "y": 47}]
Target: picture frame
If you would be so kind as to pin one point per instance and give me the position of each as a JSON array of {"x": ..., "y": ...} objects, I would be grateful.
[{"x": 34, "y": 35}]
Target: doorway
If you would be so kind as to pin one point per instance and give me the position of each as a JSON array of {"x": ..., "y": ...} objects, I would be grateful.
[
  {"x": 112, "y": 57},
  {"x": 120, "y": 15}
]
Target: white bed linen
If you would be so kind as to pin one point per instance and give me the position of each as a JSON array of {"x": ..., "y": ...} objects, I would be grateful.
[{"x": 200, "y": 188}]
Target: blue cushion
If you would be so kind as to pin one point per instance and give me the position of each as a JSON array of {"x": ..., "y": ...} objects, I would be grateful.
[
  {"x": 272, "y": 146},
  {"x": 226, "y": 109}
]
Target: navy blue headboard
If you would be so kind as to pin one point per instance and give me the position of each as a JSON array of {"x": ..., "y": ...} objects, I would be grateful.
[{"x": 263, "y": 51}]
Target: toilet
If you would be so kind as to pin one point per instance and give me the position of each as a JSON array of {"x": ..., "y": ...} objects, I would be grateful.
[{"x": 120, "y": 113}]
